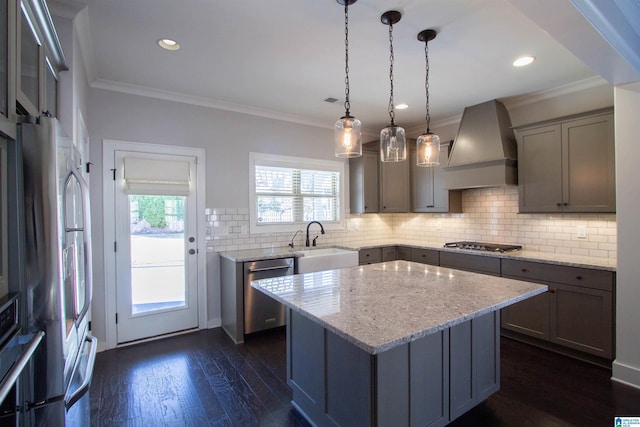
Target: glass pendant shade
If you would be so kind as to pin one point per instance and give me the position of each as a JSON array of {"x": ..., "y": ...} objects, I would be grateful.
[
  {"x": 428, "y": 150},
  {"x": 348, "y": 137},
  {"x": 393, "y": 144}
]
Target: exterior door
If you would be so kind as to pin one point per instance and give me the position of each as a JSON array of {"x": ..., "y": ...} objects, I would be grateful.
[{"x": 156, "y": 244}]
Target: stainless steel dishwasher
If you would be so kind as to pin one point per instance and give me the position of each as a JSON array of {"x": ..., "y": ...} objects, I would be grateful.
[{"x": 260, "y": 311}]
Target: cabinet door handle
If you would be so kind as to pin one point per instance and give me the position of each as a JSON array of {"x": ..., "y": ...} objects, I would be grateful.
[
  {"x": 552, "y": 291},
  {"x": 565, "y": 204},
  {"x": 559, "y": 204}
]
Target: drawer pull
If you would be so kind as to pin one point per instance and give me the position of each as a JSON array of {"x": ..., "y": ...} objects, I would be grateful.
[
  {"x": 578, "y": 277},
  {"x": 524, "y": 270},
  {"x": 552, "y": 291}
]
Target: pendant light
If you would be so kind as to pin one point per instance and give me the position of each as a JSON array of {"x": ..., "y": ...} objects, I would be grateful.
[
  {"x": 428, "y": 144},
  {"x": 347, "y": 130},
  {"x": 393, "y": 144}
]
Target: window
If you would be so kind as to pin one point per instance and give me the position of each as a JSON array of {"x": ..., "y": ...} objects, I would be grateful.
[{"x": 288, "y": 192}]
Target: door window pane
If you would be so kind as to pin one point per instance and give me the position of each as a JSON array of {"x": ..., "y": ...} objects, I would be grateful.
[{"x": 157, "y": 252}]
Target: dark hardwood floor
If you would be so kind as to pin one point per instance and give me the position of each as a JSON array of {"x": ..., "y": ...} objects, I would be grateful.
[{"x": 203, "y": 379}]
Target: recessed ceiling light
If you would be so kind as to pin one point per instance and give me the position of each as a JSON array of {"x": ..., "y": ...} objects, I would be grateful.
[
  {"x": 402, "y": 106},
  {"x": 169, "y": 44},
  {"x": 523, "y": 60}
]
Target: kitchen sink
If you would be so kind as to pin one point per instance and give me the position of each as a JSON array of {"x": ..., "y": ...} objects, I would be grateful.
[{"x": 311, "y": 260}]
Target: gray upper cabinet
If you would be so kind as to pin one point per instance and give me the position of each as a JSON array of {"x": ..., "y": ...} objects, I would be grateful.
[
  {"x": 363, "y": 183},
  {"x": 429, "y": 191},
  {"x": 568, "y": 165},
  {"x": 395, "y": 194}
]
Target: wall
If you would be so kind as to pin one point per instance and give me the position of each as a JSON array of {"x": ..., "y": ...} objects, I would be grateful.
[{"x": 626, "y": 367}]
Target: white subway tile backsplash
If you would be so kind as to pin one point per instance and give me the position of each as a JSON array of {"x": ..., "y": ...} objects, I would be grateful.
[{"x": 488, "y": 214}]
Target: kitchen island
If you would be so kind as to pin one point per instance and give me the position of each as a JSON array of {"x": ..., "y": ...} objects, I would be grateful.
[{"x": 393, "y": 344}]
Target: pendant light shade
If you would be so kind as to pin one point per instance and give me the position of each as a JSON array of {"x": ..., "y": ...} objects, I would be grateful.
[
  {"x": 393, "y": 144},
  {"x": 347, "y": 130},
  {"x": 427, "y": 144}
]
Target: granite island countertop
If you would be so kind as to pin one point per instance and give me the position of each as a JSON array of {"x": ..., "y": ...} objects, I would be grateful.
[{"x": 380, "y": 306}]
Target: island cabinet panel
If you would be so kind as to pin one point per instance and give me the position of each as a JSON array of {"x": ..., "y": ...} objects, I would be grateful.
[
  {"x": 475, "y": 362},
  {"x": 476, "y": 263},
  {"x": 425, "y": 256},
  {"x": 427, "y": 382}
]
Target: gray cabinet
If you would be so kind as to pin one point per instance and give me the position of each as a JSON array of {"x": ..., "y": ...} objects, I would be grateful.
[
  {"x": 567, "y": 165},
  {"x": 363, "y": 183},
  {"x": 394, "y": 187},
  {"x": 576, "y": 313},
  {"x": 429, "y": 381},
  {"x": 425, "y": 256},
  {"x": 403, "y": 253},
  {"x": 369, "y": 256},
  {"x": 429, "y": 191},
  {"x": 389, "y": 253},
  {"x": 476, "y": 263}
]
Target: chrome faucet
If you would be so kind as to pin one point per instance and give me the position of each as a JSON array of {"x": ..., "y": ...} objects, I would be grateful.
[{"x": 307, "y": 244}]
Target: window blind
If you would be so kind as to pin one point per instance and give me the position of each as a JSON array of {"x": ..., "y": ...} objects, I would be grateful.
[
  {"x": 156, "y": 176},
  {"x": 289, "y": 195}
]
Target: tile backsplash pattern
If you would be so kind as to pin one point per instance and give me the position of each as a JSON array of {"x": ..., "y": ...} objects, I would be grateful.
[{"x": 489, "y": 215}]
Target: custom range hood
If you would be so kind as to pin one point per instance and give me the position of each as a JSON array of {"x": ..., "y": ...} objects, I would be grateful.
[{"x": 484, "y": 151}]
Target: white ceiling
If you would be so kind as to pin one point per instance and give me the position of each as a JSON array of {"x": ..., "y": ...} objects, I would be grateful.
[{"x": 282, "y": 58}]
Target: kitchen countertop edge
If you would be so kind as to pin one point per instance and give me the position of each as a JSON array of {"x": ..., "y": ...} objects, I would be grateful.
[{"x": 579, "y": 261}]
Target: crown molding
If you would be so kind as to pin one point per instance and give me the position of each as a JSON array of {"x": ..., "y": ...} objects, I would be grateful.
[
  {"x": 200, "y": 101},
  {"x": 567, "y": 89}
]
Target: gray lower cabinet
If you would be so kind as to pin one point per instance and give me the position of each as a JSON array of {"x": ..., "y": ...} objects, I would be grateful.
[
  {"x": 364, "y": 190},
  {"x": 403, "y": 253},
  {"x": 476, "y": 263},
  {"x": 577, "y": 312},
  {"x": 369, "y": 256},
  {"x": 425, "y": 256},
  {"x": 389, "y": 253},
  {"x": 429, "y": 192},
  {"x": 427, "y": 382},
  {"x": 567, "y": 165}
]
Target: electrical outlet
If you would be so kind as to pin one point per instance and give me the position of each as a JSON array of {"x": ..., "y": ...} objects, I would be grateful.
[{"x": 581, "y": 232}]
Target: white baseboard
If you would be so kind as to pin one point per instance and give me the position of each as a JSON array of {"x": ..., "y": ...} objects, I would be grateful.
[{"x": 625, "y": 374}]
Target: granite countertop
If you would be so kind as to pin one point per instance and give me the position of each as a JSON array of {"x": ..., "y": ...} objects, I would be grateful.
[
  {"x": 380, "y": 306},
  {"x": 523, "y": 255}
]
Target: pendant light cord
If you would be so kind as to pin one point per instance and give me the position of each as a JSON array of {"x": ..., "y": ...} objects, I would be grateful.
[
  {"x": 390, "y": 109},
  {"x": 347, "y": 105},
  {"x": 426, "y": 82}
]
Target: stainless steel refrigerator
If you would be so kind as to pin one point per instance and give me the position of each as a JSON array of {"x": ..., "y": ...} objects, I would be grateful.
[{"x": 57, "y": 275}]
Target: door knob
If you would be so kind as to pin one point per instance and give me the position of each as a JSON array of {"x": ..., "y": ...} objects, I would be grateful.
[{"x": 192, "y": 251}]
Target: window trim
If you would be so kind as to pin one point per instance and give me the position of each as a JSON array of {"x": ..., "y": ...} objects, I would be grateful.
[{"x": 263, "y": 159}]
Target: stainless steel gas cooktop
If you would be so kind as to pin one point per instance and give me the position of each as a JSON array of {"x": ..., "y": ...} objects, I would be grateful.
[{"x": 481, "y": 246}]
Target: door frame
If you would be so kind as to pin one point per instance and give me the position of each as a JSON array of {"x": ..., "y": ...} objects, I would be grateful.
[{"x": 109, "y": 147}]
